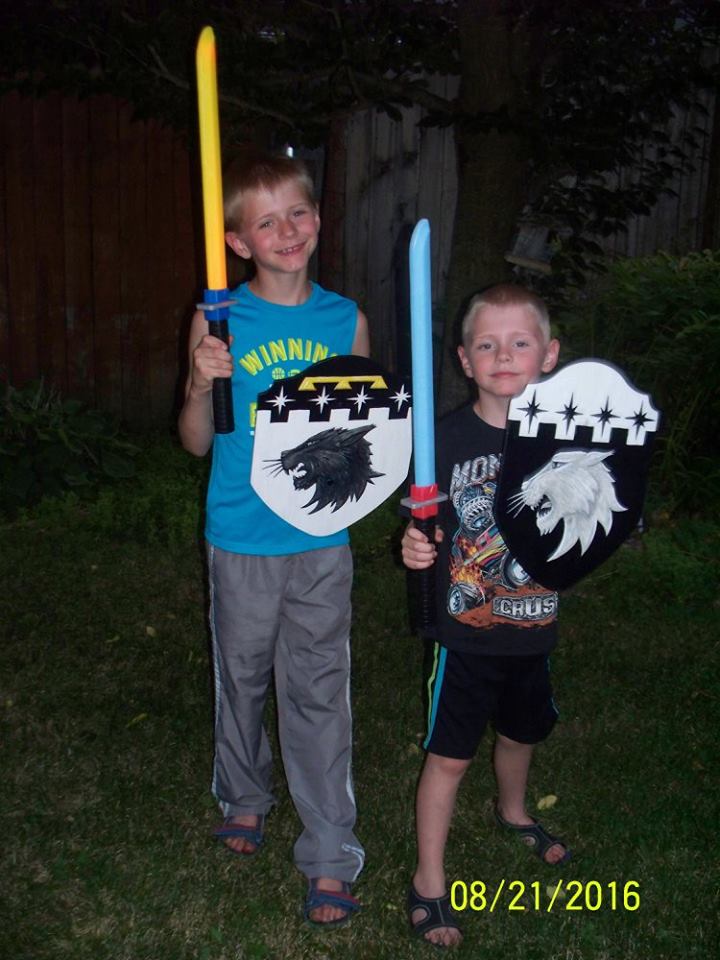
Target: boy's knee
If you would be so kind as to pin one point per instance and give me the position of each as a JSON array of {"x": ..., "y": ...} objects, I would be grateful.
[
  {"x": 448, "y": 766},
  {"x": 516, "y": 746}
]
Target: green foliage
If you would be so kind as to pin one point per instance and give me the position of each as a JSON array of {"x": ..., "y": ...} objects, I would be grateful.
[
  {"x": 50, "y": 445},
  {"x": 682, "y": 560},
  {"x": 613, "y": 75},
  {"x": 658, "y": 318},
  {"x": 162, "y": 505},
  {"x": 288, "y": 65}
]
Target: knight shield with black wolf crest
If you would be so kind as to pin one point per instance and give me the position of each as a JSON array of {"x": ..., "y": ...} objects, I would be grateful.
[
  {"x": 575, "y": 464},
  {"x": 332, "y": 443}
]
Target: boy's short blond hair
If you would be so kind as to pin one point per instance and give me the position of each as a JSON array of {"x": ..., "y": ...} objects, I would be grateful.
[
  {"x": 506, "y": 295},
  {"x": 254, "y": 170}
]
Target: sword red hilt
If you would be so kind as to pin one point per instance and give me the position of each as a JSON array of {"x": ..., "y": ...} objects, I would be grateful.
[{"x": 423, "y": 503}]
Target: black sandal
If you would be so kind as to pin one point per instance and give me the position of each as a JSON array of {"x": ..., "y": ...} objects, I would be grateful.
[
  {"x": 535, "y": 836},
  {"x": 438, "y": 913}
]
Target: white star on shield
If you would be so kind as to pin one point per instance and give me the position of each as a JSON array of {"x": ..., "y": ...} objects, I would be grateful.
[
  {"x": 323, "y": 399},
  {"x": 281, "y": 400},
  {"x": 360, "y": 398},
  {"x": 401, "y": 397}
]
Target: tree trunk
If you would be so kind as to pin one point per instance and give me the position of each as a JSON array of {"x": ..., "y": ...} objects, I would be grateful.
[{"x": 492, "y": 169}]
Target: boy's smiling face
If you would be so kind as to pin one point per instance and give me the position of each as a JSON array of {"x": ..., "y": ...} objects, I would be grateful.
[
  {"x": 506, "y": 349},
  {"x": 279, "y": 229}
]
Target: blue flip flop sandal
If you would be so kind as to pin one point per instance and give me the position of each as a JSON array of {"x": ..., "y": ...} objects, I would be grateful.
[
  {"x": 330, "y": 898},
  {"x": 228, "y": 829}
]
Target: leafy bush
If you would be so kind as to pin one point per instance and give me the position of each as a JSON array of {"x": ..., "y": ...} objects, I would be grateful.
[
  {"x": 678, "y": 561},
  {"x": 658, "y": 318},
  {"x": 50, "y": 445},
  {"x": 164, "y": 505},
  {"x": 161, "y": 505}
]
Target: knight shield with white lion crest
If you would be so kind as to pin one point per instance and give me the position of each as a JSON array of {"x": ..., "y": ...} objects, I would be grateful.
[{"x": 575, "y": 464}]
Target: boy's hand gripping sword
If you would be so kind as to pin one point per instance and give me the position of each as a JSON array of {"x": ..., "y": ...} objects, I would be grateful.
[
  {"x": 424, "y": 497},
  {"x": 216, "y": 304}
]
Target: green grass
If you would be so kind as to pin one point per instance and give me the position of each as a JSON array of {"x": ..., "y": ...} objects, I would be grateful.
[{"x": 106, "y": 747}]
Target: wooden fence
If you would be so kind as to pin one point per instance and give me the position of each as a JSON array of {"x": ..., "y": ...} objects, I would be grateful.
[
  {"x": 687, "y": 216},
  {"x": 100, "y": 239},
  {"x": 98, "y": 265},
  {"x": 397, "y": 173}
]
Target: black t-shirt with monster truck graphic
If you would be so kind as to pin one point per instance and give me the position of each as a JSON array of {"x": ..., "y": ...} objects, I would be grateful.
[{"x": 486, "y": 602}]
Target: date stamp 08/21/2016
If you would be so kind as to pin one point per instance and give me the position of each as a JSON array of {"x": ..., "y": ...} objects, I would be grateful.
[{"x": 564, "y": 895}]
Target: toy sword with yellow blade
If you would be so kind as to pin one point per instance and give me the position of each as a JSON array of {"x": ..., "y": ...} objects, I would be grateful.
[{"x": 216, "y": 304}]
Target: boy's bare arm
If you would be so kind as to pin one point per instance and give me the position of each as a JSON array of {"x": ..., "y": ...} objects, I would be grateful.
[
  {"x": 361, "y": 343},
  {"x": 417, "y": 551},
  {"x": 209, "y": 358}
]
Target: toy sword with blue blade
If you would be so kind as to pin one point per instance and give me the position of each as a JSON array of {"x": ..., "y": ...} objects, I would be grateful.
[{"x": 424, "y": 497}]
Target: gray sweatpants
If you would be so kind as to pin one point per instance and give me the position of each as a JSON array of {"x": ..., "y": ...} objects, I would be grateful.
[{"x": 290, "y": 614}]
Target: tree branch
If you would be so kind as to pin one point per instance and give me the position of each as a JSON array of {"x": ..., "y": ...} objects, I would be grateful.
[
  {"x": 409, "y": 91},
  {"x": 164, "y": 73}
]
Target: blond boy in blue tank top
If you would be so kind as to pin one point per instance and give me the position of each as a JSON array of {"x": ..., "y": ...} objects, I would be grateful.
[{"x": 279, "y": 598}]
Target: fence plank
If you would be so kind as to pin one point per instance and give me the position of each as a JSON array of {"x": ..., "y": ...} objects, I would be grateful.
[
  {"x": 437, "y": 187},
  {"x": 333, "y": 211},
  {"x": 134, "y": 265},
  {"x": 77, "y": 239},
  {"x": 188, "y": 261},
  {"x": 104, "y": 182},
  {"x": 710, "y": 235},
  {"x": 49, "y": 253},
  {"x": 357, "y": 211},
  {"x": 162, "y": 296},
  {"x": 4, "y": 301},
  {"x": 23, "y": 333},
  {"x": 381, "y": 211}
]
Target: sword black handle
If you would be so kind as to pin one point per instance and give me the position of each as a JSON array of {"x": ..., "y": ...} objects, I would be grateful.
[
  {"x": 426, "y": 582},
  {"x": 217, "y": 307},
  {"x": 223, "y": 418}
]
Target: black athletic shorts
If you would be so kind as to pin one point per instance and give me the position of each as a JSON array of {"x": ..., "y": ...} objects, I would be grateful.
[{"x": 467, "y": 690}]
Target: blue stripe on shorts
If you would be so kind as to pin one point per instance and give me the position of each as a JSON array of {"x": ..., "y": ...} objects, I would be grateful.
[{"x": 435, "y": 682}]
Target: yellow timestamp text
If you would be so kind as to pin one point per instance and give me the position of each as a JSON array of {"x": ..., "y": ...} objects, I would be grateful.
[{"x": 567, "y": 895}]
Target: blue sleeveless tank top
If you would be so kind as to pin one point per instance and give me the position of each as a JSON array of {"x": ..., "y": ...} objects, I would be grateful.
[{"x": 270, "y": 342}]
